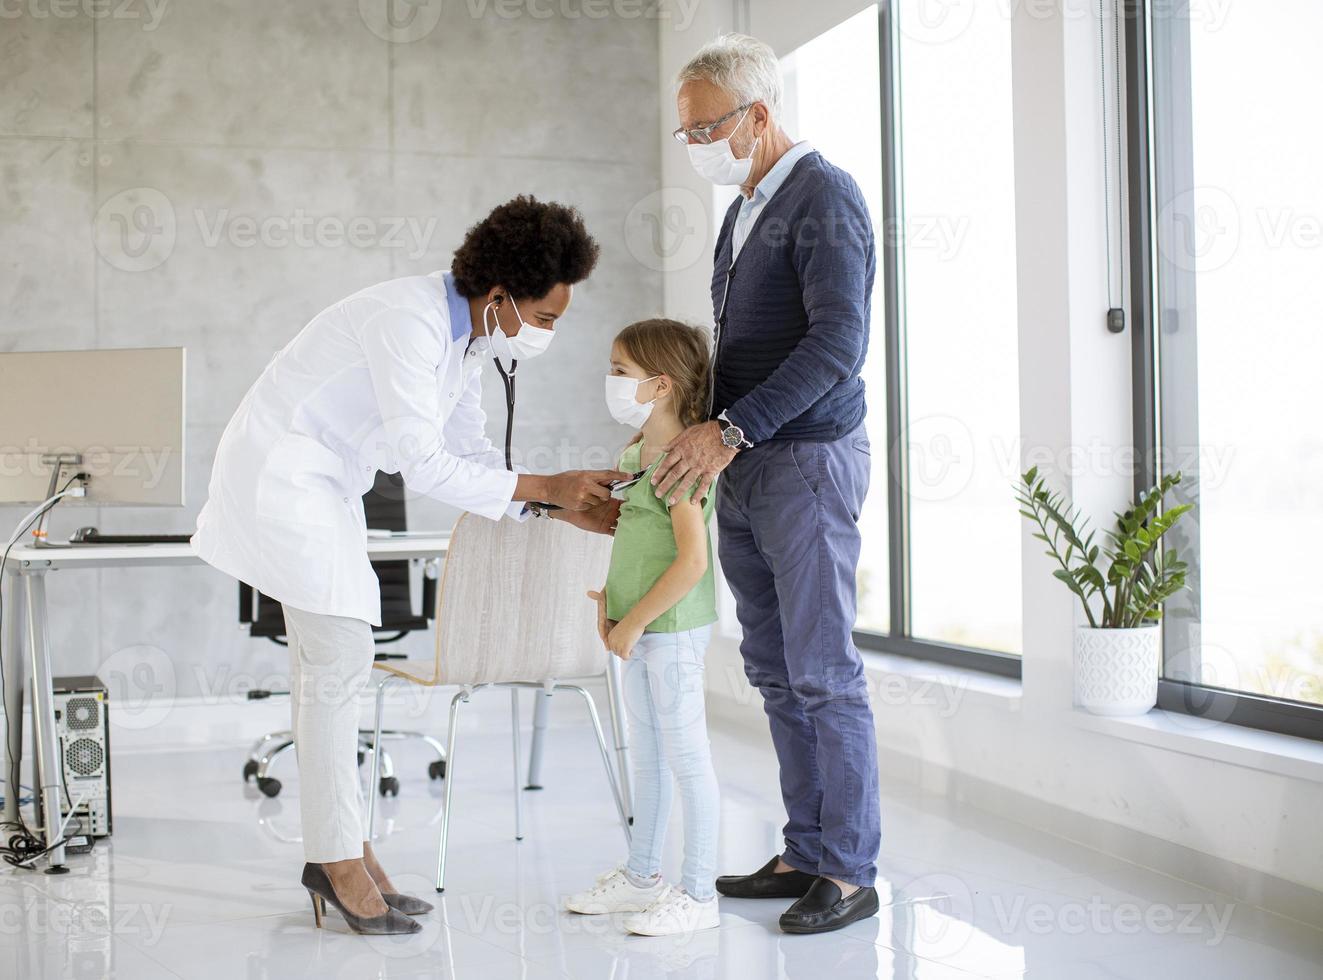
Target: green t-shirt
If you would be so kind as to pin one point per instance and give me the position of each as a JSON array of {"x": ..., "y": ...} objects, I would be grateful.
[{"x": 645, "y": 547}]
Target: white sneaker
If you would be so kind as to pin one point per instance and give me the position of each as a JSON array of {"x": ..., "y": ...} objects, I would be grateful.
[
  {"x": 614, "y": 892},
  {"x": 675, "y": 912}
]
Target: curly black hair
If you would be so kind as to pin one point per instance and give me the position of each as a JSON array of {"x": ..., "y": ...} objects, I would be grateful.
[{"x": 526, "y": 245}]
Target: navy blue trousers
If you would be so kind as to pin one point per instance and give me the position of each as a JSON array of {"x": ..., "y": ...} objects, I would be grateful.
[{"x": 788, "y": 537}]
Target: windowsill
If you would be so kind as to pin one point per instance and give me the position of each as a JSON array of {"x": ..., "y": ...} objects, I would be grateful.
[
  {"x": 1172, "y": 731},
  {"x": 978, "y": 684},
  {"x": 1284, "y": 755}
]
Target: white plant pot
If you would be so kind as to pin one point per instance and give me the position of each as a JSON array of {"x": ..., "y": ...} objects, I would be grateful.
[{"x": 1116, "y": 671}]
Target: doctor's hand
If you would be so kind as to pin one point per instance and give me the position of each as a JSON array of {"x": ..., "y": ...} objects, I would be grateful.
[
  {"x": 696, "y": 454},
  {"x": 580, "y": 489},
  {"x": 600, "y": 518}
]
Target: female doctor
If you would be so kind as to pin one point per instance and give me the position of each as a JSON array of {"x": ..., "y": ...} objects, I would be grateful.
[{"x": 387, "y": 379}]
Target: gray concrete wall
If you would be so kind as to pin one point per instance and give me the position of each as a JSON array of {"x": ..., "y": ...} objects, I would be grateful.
[{"x": 227, "y": 117}]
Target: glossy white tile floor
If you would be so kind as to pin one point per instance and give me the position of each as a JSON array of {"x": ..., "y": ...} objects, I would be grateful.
[{"x": 201, "y": 880}]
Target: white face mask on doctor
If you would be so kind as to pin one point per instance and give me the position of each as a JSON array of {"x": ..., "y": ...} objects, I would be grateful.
[
  {"x": 717, "y": 162},
  {"x": 528, "y": 341},
  {"x": 622, "y": 400}
]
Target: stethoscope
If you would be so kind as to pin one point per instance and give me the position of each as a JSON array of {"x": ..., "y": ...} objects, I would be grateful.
[
  {"x": 508, "y": 380},
  {"x": 507, "y": 376}
]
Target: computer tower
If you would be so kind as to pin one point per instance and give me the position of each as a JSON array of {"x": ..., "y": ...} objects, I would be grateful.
[{"x": 82, "y": 729}]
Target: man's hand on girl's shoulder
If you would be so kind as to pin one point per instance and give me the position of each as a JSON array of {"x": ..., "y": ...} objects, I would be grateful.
[{"x": 695, "y": 456}]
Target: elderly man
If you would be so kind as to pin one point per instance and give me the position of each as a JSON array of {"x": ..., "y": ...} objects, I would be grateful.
[{"x": 790, "y": 293}]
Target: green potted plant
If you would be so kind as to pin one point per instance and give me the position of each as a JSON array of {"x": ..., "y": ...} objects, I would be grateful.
[{"x": 1122, "y": 584}]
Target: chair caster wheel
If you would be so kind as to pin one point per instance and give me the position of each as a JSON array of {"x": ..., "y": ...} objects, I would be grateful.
[
  {"x": 250, "y": 769},
  {"x": 390, "y": 786},
  {"x": 269, "y": 786},
  {"x": 436, "y": 769}
]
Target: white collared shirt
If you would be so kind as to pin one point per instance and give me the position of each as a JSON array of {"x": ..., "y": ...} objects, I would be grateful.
[
  {"x": 751, "y": 207},
  {"x": 383, "y": 380}
]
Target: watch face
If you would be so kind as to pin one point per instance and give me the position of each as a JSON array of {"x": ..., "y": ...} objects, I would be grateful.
[{"x": 731, "y": 437}]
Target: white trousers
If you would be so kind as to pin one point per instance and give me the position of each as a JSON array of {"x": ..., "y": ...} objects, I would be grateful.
[{"x": 330, "y": 660}]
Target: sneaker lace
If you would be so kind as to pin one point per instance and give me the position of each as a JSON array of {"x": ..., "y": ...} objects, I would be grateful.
[
  {"x": 610, "y": 878},
  {"x": 667, "y": 895},
  {"x": 613, "y": 873}
]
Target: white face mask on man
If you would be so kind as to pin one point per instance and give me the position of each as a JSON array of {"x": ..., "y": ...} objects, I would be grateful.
[
  {"x": 622, "y": 400},
  {"x": 528, "y": 341},
  {"x": 717, "y": 162}
]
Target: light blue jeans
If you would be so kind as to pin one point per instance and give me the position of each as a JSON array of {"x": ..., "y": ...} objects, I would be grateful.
[{"x": 663, "y": 688}]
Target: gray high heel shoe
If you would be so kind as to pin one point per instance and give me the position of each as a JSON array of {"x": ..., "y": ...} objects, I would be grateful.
[
  {"x": 407, "y": 903},
  {"x": 393, "y": 923}
]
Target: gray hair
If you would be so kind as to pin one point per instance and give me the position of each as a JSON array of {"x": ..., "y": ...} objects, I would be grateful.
[{"x": 741, "y": 65}]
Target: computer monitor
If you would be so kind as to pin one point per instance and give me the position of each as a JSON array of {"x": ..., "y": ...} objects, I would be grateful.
[{"x": 120, "y": 411}]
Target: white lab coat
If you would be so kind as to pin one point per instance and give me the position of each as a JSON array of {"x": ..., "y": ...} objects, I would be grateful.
[{"x": 378, "y": 381}]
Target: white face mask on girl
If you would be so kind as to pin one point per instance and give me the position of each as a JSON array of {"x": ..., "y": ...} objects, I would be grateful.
[
  {"x": 528, "y": 341},
  {"x": 622, "y": 400},
  {"x": 716, "y": 161}
]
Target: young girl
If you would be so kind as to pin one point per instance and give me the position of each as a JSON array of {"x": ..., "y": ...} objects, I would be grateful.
[{"x": 656, "y": 613}]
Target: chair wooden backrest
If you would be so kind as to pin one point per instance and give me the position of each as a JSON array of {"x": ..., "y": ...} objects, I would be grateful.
[{"x": 511, "y": 606}]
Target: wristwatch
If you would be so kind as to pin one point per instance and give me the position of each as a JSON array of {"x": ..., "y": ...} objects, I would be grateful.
[{"x": 732, "y": 436}]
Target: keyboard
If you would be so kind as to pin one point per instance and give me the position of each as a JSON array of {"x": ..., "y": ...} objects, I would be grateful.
[{"x": 90, "y": 535}]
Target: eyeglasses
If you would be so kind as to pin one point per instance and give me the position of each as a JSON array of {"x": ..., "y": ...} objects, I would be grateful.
[{"x": 704, "y": 133}]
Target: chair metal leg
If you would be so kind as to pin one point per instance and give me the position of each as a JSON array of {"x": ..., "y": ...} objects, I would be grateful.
[
  {"x": 376, "y": 758},
  {"x": 518, "y": 796},
  {"x": 399, "y": 735},
  {"x": 452, "y": 739},
  {"x": 615, "y": 700},
  {"x": 541, "y": 708},
  {"x": 265, "y": 761},
  {"x": 259, "y": 747},
  {"x": 433, "y": 742},
  {"x": 606, "y": 755}
]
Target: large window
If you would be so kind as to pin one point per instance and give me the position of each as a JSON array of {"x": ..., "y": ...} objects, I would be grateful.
[
  {"x": 832, "y": 100},
  {"x": 921, "y": 117},
  {"x": 957, "y": 229},
  {"x": 1234, "y": 346}
]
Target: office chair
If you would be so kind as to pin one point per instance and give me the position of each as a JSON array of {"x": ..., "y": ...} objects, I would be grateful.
[
  {"x": 538, "y": 633},
  {"x": 384, "y": 508}
]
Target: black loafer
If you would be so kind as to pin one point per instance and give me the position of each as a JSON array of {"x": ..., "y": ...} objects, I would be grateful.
[
  {"x": 766, "y": 883},
  {"x": 823, "y": 908}
]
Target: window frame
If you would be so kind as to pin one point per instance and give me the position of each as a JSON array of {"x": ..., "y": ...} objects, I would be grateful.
[
  {"x": 899, "y": 638},
  {"x": 1244, "y": 708}
]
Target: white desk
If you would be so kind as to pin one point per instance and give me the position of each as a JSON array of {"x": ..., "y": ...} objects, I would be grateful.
[{"x": 27, "y": 568}]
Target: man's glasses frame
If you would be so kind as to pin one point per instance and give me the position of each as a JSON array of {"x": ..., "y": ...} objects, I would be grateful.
[{"x": 703, "y": 134}]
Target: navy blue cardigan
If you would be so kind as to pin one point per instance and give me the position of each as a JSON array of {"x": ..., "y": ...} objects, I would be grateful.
[{"x": 792, "y": 316}]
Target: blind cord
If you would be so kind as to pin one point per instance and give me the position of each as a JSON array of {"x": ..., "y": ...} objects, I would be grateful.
[{"x": 1112, "y": 203}]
